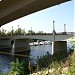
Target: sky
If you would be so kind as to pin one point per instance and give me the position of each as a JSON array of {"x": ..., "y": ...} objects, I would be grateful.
[{"x": 43, "y": 20}]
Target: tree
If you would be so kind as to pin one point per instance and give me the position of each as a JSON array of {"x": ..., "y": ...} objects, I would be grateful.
[
  {"x": 19, "y": 31},
  {"x": 40, "y": 32},
  {"x": 31, "y": 32},
  {"x": 12, "y": 31},
  {"x": 8, "y": 33},
  {"x": 3, "y": 32}
]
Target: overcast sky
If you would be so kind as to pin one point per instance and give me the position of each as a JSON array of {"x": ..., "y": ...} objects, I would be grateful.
[{"x": 43, "y": 20}]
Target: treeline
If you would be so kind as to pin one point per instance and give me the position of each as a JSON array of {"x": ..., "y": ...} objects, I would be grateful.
[{"x": 20, "y": 31}]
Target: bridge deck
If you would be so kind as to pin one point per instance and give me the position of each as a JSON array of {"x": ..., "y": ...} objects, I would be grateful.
[{"x": 13, "y": 9}]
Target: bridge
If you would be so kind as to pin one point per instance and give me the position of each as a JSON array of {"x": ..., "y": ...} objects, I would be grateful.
[
  {"x": 21, "y": 42},
  {"x": 13, "y": 9}
]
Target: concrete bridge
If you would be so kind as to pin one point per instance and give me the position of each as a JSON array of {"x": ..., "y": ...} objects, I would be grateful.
[
  {"x": 21, "y": 42},
  {"x": 13, "y": 9}
]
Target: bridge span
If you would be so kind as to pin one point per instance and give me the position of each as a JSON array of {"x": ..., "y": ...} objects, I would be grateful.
[
  {"x": 58, "y": 37},
  {"x": 21, "y": 42}
]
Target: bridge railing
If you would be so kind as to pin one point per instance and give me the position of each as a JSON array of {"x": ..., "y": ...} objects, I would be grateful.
[{"x": 59, "y": 33}]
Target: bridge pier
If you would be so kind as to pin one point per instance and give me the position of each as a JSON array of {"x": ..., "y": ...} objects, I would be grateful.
[
  {"x": 21, "y": 45},
  {"x": 59, "y": 47},
  {"x": 5, "y": 44}
]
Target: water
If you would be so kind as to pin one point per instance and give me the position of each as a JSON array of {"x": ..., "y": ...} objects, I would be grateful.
[
  {"x": 40, "y": 50},
  {"x": 5, "y": 60}
]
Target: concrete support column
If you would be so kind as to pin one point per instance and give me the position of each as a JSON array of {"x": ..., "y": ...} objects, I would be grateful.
[
  {"x": 5, "y": 44},
  {"x": 21, "y": 45},
  {"x": 59, "y": 47}
]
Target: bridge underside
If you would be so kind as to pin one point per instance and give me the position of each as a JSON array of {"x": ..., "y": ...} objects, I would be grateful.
[{"x": 13, "y": 9}]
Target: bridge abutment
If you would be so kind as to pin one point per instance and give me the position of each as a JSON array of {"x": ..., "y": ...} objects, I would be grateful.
[
  {"x": 21, "y": 45},
  {"x": 5, "y": 44},
  {"x": 59, "y": 47}
]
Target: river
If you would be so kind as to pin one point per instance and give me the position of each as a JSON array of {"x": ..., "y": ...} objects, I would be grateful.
[
  {"x": 41, "y": 50},
  {"x": 5, "y": 60}
]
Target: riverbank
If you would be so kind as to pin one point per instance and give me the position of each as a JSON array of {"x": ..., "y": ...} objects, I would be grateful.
[
  {"x": 64, "y": 67},
  {"x": 60, "y": 65}
]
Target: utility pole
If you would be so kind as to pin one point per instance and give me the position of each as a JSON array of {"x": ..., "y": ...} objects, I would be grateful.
[
  {"x": 24, "y": 32},
  {"x": 31, "y": 30},
  {"x": 18, "y": 29},
  {"x": 64, "y": 27},
  {"x": 53, "y": 37},
  {"x": 54, "y": 30},
  {"x": 53, "y": 25},
  {"x": 12, "y": 31}
]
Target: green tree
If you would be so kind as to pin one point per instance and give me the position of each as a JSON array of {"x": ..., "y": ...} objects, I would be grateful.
[
  {"x": 19, "y": 31},
  {"x": 40, "y": 32},
  {"x": 3, "y": 32},
  {"x": 0, "y": 32},
  {"x": 8, "y": 33},
  {"x": 31, "y": 32}
]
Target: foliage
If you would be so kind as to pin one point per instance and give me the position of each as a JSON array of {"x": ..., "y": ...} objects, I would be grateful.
[
  {"x": 64, "y": 67},
  {"x": 71, "y": 70},
  {"x": 19, "y": 31},
  {"x": 40, "y": 32},
  {"x": 25, "y": 64},
  {"x": 49, "y": 60},
  {"x": 3, "y": 32},
  {"x": 30, "y": 32},
  {"x": 43, "y": 61},
  {"x": 20, "y": 68},
  {"x": 16, "y": 68},
  {"x": 73, "y": 44},
  {"x": 9, "y": 33},
  {"x": 0, "y": 32}
]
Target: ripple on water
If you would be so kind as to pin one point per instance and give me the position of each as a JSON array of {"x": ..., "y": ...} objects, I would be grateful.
[{"x": 5, "y": 61}]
